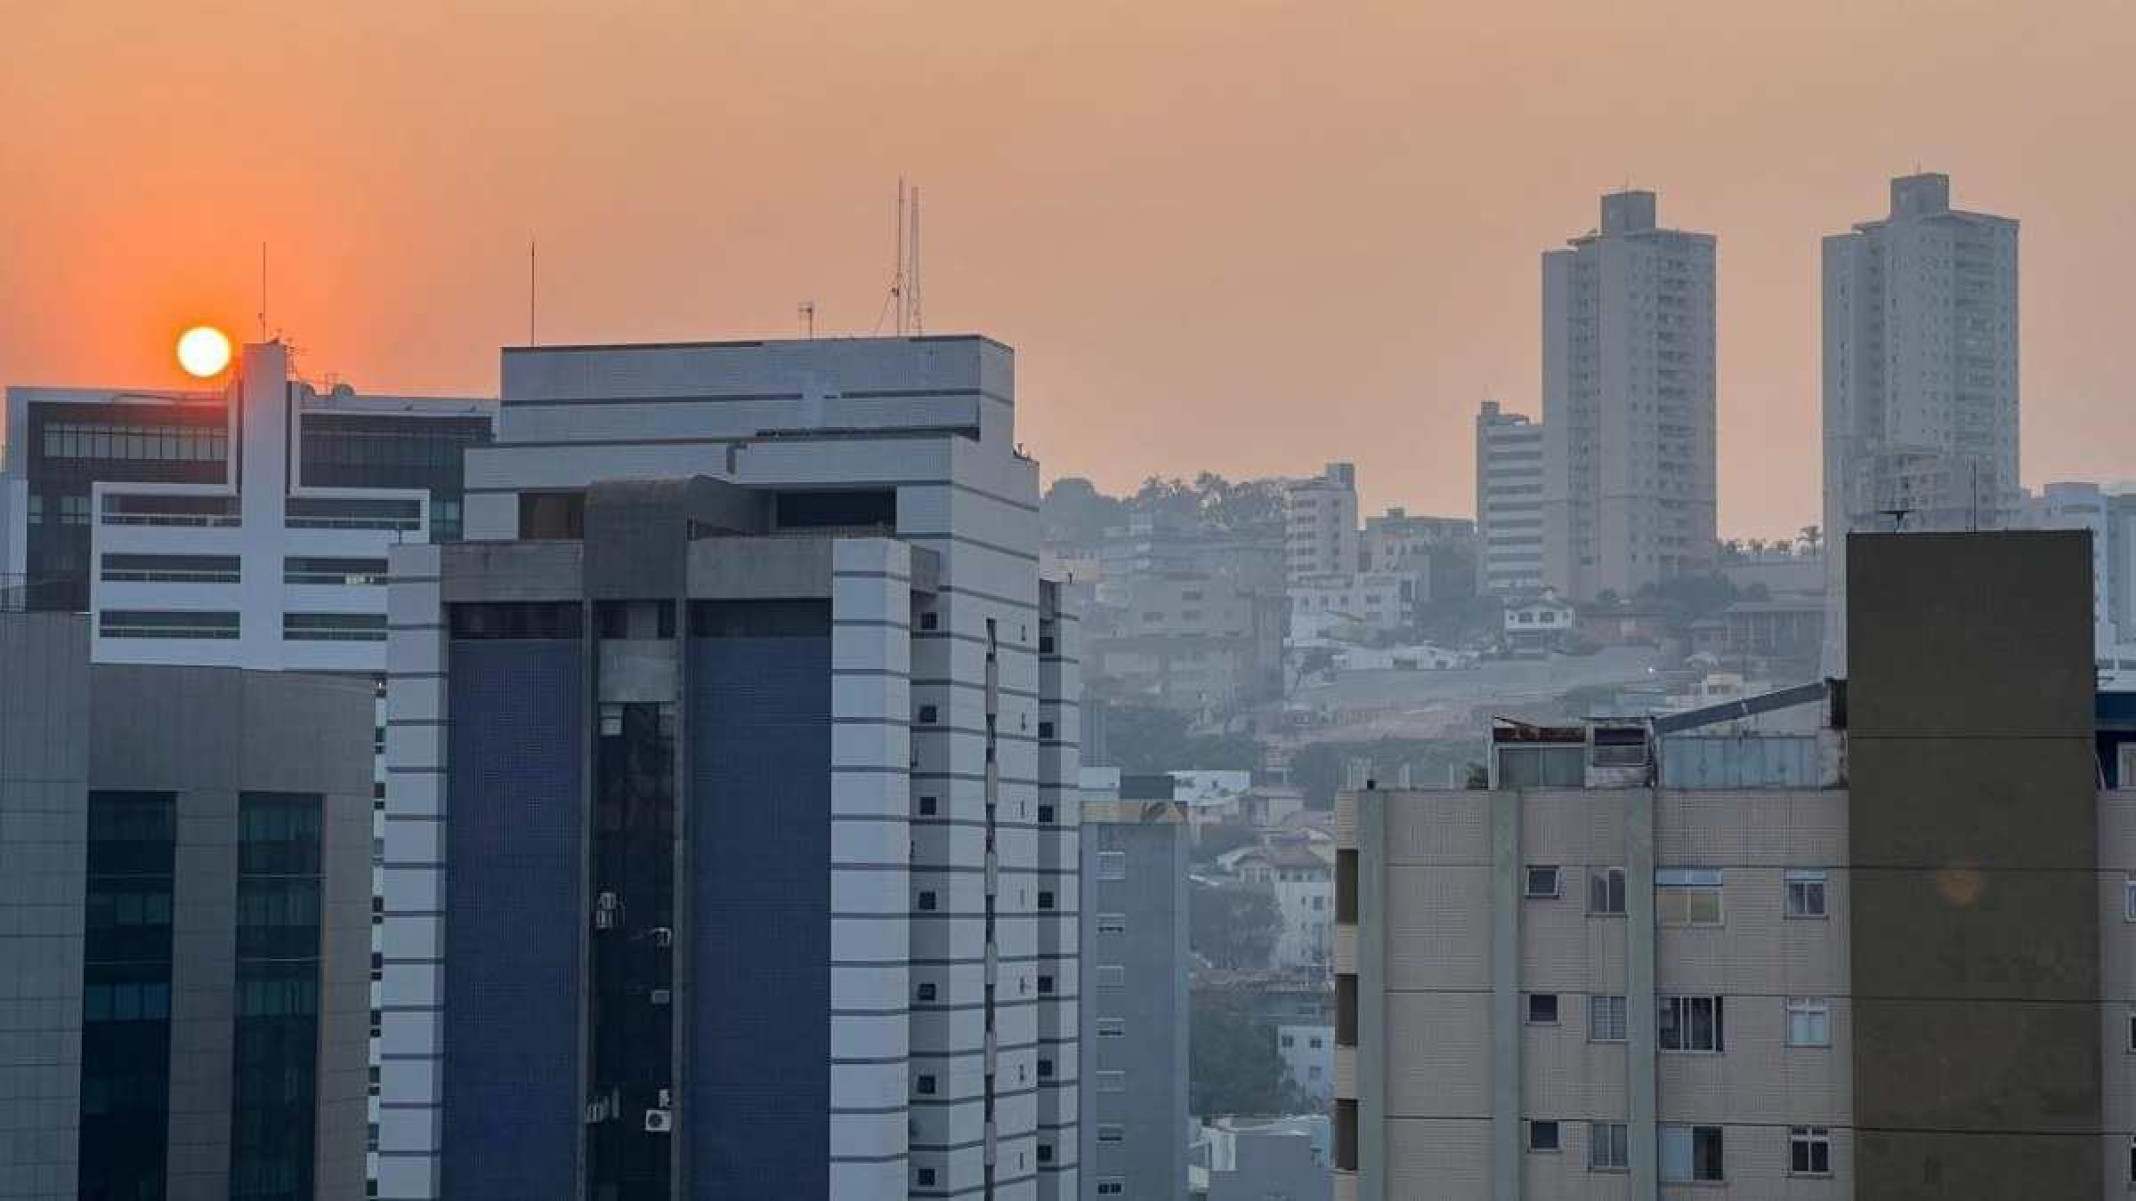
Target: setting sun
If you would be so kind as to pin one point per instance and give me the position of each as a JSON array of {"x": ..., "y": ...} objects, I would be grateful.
[{"x": 203, "y": 351}]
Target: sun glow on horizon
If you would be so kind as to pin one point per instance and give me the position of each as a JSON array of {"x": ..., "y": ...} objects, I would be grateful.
[{"x": 203, "y": 351}]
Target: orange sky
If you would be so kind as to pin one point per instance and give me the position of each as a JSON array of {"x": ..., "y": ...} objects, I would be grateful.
[{"x": 1222, "y": 235}]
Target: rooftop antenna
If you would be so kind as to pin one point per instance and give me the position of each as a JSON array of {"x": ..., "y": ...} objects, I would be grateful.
[
  {"x": 912, "y": 279},
  {"x": 897, "y": 278},
  {"x": 1898, "y": 518},
  {"x": 530, "y": 289},
  {"x": 263, "y": 291},
  {"x": 808, "y": 319}
]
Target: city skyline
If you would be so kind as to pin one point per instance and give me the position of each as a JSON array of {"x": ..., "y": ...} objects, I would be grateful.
[{"x": 1175, "y": 252}]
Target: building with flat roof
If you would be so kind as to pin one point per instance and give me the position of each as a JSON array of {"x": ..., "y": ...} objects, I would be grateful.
[
  {"x": 1509, "y": 502},
  {"x": 1132, "y": 1079},
  {"x": 185, "y": 874},
  {"x": 732, "y": 849},
  {"x": 1655, "y": 956},
  {"x": 1628, "y": 404},
  {"x": 1320, "y": 523}
]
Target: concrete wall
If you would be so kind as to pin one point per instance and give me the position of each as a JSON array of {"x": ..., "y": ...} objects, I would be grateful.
[
  {"x": 1974, "y": 832},
  {"x": 44, "y": 763}
]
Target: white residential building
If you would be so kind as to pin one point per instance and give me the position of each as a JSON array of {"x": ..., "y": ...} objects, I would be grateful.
[
  {"x": 1308, "y": 1054},
  {"x": 1301, "y": 882},
  {"x": 1325, "y": 606},
  {"x": 1920, "y": 377},
  {"x": 1320, "y": 523},
  {"x": 1628, "y": 404},
  {"x": 1509, "y": 502},
  {"x": 743, "y": 717}
]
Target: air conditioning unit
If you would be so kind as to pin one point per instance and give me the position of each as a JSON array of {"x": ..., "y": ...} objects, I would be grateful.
[{"x": 659, "y": 1121}]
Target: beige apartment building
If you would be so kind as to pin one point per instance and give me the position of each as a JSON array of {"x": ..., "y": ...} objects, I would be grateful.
[{"x": 1894, "y": 957}]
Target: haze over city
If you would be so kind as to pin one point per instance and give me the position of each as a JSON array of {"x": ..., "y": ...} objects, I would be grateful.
[{"x": 1239, "y": 238}]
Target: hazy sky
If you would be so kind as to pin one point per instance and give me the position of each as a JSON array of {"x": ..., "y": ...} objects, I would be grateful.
[{"x": 1220, "y": 235}]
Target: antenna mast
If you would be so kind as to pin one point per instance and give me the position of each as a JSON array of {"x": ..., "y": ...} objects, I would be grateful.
[
  {"x": 808, "y": 319},
  {"x": 263, "y": 291},
  {"x": 912, "y": 281},
  {"x": 530, "y": 289},
  {"x": 897, "y": 277}
]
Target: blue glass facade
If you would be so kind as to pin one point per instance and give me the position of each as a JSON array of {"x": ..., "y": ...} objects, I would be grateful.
[
  {"x": 756, "y": 1111},
  {"x": 512, "y": 1102}
]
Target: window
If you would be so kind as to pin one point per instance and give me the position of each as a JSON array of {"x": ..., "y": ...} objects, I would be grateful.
[
  {"x": 1315, "y": 1042},
  {"x": 1605, "y": 890},
  {"x": 166, "y": 623},
  {"x": 334, "y": 627},
  {"x": 1692, "y": 1024},
  {"x": 1045, "y": 1069},
  {"x": 924, "y": 1177},
  {"x": 1690, "y": 1153},
  {"x": 1045, "y": 729},
  {"x": 1605, "y": 1019},
  {"x": 1542, "y": 1009},
  {"x": 550, "y": 515},
  {"x": 2128, "y": 899},
  {"x": 929, "y": 621},
  {"x": 1608, "y": 1147},
  {"x": 370, "y": 513},
  {"x": 926, "y": 991},
  {"x": 1542, "y": 882},
  {"x": 1286, "y": 1041},
  {"x": 927, "y": 900},
  {"x": 1045, "y": 1153},
  {"x": 1809, "y": 1151},
  {"x": 1543, "y": 1136},
  {"x": 1045, "y": 815},
  {"x": 1809, "y": 1022},
  {"x": 1111, "y": 1187},
  {"x": 1112, "y": 1027},
  {"x": 1109, "y": 1132},
  {"x": 1045, "y": 986},
  {"x": 1045, "y": 899},
  {"x": 297, "y": 570},
  {"x": 1112, "y": 975},
  {"x": 1805, "y": 893},
  {"x": 924, "y": 1084},
  {"x": 928, "y": 806},
  {"x": 1112, "y": 1081},
  {"x": 1112, "y": 923},
  {"x": 929, "y": 715},
  {"x": 170, "y": 569},
  {"x": 1687, "y": 896},
  {"x": 1112, "y": 865}
]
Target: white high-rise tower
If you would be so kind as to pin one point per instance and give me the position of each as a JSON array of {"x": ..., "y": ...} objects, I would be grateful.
[
  {"x": 1920, "y": 377},
  {"x": 1628, "y": 404}
]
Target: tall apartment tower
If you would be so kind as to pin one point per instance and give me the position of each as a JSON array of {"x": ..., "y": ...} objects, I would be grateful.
[
  {"x": 1509, "y": 502},
  {"x": 1134, "y": 999},
  {"x": 732, "y": 844},
  {"x": 185, "y": 874},
  {"x": 1920, "y": 377},
  {"x": 1654, "y": 958},
  {"x": 1628, "y": 404},
  {"x": 1320, "y": 523}
]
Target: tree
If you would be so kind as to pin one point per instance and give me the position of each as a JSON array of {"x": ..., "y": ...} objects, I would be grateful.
[
  {"x": 1232, "y": 925},
  {"x": 1148, "y": 739},
  {"x": 1075, "y": 513},
  {"x": 1233, "y": 1065}
]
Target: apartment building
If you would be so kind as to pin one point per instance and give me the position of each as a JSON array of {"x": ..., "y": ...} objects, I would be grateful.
[
  {"x": 185, "y": 870},
  {"x": 2110, "y": 520},
  {"x": 1883, "y": 958},
  {"x": 1628, "y": 404},
  {"x": 1320, "y": 523},
  {"x": 1300, "y": 882},
  {"x": 1920, "y": 376},
  {"x": 1509, "y": 502},
  {"x": 732, "y": 849},
  {"x": 1188, "y": 640},
  {"x": 1132, "y": 1078},
  {"x": 1323, "y": 605}
]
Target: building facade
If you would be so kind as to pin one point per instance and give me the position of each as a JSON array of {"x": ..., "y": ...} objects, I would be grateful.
[
  {"x": 2110, "y": 520},
  {"x": 1920, "y": 376},
  {"x": 1654, "y": 959},
  {"x": 185, "y": 866},
  {"x": 1187, "y": 640},
  {"x": 1320, "y": 523},
  {"x": 1628, "y": 404},
  {"x": 736, "y": 853},
  {"x": 1132, "y": 1078},
  {"x": 1509, "y": 502}
]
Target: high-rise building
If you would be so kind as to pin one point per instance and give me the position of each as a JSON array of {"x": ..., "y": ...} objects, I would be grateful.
[
  {"x": 185, "y": 874},
  {"x": 241, "y": 526},
  {"x": 1320, "y": 523},
  {"x": 736, "y": 853},
  {"x": 1628, "y": 404},
  {"x": 1920, "y": 377},
  {"x": 1509, "y": 502},
  {"x": 1133, "y": 1074},
  {"x": 1719, "y": 948}
]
